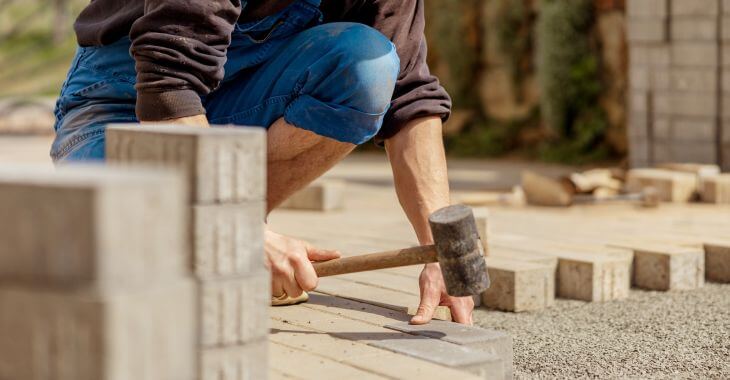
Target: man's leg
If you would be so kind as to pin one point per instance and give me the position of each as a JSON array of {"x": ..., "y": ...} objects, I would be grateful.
[
  {"x": 292, "y": 148},
  {"x": 323, "y": 93}
]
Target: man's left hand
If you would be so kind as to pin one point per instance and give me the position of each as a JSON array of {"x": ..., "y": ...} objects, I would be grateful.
[{"x": 433, "y": 294}]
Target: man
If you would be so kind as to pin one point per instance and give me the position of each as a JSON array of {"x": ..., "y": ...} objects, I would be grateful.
[{"x": 321, "y": 75}]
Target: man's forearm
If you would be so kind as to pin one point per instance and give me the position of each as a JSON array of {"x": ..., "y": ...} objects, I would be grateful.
[{"x": 418, "y": 161}]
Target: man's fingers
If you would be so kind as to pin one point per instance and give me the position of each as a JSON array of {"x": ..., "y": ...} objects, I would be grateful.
[
  {"x": 304, "y": 273},
  {"x": 461, "y": 310},
  {"x": 316, "y": 254},
  {"x": 429, "y": 302}
]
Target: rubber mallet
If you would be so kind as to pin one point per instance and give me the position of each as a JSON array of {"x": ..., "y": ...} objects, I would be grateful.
[{"x": 457, "y": 248}]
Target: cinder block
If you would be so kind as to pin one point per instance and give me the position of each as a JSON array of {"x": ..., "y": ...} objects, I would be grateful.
[
  {"x": 492, "y": 341},
  {"x": 593, "y": 279},
  {"x": 647, "y": 8},
  {"x": 693, "y": 29},
  {"x": 668, "y": 268},
  {"x": 725, "y": 22},
  {"x": 91, "y": 226},
  {"x": 670, "y": 186},
  {"x": 700, "y": 170},
  {"x": 654, "y": 56},
  {"x": 447, "y": 354},
  {"x": 701, "y": 152},
  {"x": 519, "y": 285},
  {"x": 662, "y": 127},
  {"x": 698, "y": 104},
  {"x": 148, "y": 334},
  {"x": 223, "y": 165},
  {"x": 693, "y": 80},
  {"x": 243, "y": 362},
  {"x": 694, "y": 53},
  {"x": 647, "y": 30},
  {"x": 228, "y": 239},
  {"x": 638, "y": 102},
  {"x": 715, "y": 189},
  {"x": 694, "y": 7},
  {"x": 639, "y": 153},
  {"x": 697, "y": 129},
  {"x": 234, "y": 311},
  {"x": 638, "y": 125},
  {"x": 717, "y": 261},
  {"x": 323, "y": 195}
]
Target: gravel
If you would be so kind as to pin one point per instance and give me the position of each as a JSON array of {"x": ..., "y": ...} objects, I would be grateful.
[{"x": 649, "y": 335}]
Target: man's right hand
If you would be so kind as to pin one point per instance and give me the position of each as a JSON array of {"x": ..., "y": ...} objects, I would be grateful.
[{"x": 290, "y": 262}]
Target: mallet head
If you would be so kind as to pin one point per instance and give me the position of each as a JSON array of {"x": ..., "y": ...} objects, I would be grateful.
[{"x": 460, "y": 252}]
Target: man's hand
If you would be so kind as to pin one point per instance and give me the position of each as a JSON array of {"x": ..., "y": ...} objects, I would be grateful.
[
  {"x": 193, "y": 121},
  {"x": 433, "y": 293},
  {"x": 290, "y": 261}
]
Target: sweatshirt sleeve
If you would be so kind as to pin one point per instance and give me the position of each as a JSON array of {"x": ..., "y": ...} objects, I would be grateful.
[
  {"x": 417, "y": 92},
  {"x": 179, "y": 48}
]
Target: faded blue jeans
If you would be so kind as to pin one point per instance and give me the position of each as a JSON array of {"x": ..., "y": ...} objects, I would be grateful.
[{"x": 335, "y": 79}]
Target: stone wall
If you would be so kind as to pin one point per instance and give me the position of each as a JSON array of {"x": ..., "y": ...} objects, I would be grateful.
[{"x": 677, "y": 55}]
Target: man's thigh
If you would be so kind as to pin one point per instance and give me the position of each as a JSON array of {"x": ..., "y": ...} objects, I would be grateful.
[{"x": 335, "y": 80}]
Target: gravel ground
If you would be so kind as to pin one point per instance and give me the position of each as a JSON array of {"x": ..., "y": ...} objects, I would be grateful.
[{"x": 649, "y": 335}]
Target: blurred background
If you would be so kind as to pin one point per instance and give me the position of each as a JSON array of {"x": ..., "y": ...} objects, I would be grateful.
[{"x": 547, "y": 80}]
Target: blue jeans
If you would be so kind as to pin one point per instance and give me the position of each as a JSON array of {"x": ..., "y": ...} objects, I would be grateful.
[{"x": 335, "y": 79}]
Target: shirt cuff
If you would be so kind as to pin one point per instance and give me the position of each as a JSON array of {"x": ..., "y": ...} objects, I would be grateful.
[{"x": 158, "y": 106}]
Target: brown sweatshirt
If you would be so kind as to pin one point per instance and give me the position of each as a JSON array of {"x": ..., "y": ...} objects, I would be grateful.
[{"x": 173, "y": 72}]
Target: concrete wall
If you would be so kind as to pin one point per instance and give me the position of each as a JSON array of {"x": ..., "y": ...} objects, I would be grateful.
[{"x": 677, "y": 60}]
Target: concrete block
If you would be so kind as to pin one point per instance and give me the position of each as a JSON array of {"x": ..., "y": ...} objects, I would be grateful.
[
  {"x": 228, "y": 239},
  {"x": 322, "y": 195},
  {"x": 701, "y": 152},
  {"x": 693, "y": 29},
  {"x": 639, "y": 77},
  {"x": 91, "y": 226},
  {"x": 147, "y": 334},
  {"x": 481, "y": 363},
  {"x": 223, "y": 165},
  {"x": 725, "y": 22},
  {"x": 668, "y": 268},
  {"x": 695, "y": 104},
  {"x": 694, "y": 8},
  {"x": 694, "y": 53},
  {"x": 715, "y": 189},
  {"x": 717, "y": 261},
  {"x": 234, "y": 311},
  {"x": 725, "y": 54},
  {"x": 519, "y": 285},
  {"x": 639, "y": 153},
  {"x": 661, "y": 129},
  {"x": 242, "y": 362},
  {"x": 647, "y": 8},
  {"x": 693, "y": 80},
  {"x": 638, "y": 102},
  {"x": 492, "y": 341},
  {"x": 646, "y": 30},
  {"x": 638, "y": 125},
  {"x": 654, "y": 56},
  {"x": 660, "y": 79},
  {"x": 700, "y": 170},
  {"x": 671, "y": 186},
  {"x": 697, "y": 129}
]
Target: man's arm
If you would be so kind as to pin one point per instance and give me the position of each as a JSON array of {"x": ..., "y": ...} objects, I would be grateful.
[{"x": 418, "y": 160}]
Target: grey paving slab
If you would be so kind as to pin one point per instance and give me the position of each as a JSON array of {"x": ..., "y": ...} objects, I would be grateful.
[{"x": 492, "y": 341}]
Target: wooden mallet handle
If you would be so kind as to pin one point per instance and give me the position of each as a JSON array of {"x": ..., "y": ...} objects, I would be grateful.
[{"x": 373, "y": 261}]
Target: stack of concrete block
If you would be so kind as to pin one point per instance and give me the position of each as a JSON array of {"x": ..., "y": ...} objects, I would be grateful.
[
  {"x": 93, "y": 279},
  {"x": 226, "y": 172},
  {"x": 674, "y": 101}
]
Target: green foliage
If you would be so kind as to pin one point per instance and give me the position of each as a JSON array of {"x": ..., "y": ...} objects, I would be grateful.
[
  {"x": 514, "y": 28},
  {"x": 569, "y": 76}
]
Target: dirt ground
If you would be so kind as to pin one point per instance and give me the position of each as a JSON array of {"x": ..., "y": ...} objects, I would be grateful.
[{"x": 649, "y": 335}]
